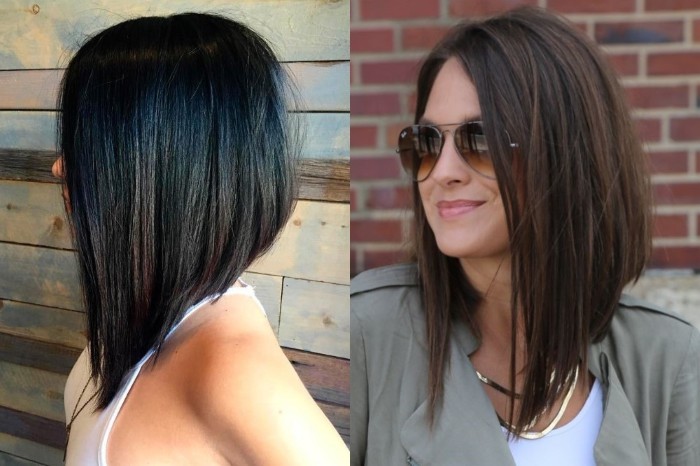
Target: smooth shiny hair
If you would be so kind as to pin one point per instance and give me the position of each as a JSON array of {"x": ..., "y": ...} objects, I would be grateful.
[
  {"x": 576, "y": 196},
  {"x": 179, "y": 165}
]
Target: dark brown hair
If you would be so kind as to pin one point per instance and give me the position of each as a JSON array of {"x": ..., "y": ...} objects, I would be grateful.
[{"x": 577, "y": 204}]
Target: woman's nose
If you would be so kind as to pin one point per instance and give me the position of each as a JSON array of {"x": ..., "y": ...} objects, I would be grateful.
[
  {"x": 450, "y": 167},
  {"x": 57, "y": 168}
]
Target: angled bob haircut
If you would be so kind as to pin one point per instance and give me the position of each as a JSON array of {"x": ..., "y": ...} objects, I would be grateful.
[
  {"x": 178, "y": 160},
  {"x": 576, "y": 195}
]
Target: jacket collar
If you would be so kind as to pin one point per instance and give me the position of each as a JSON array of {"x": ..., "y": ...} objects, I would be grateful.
[{"x": 466, "y": 426}]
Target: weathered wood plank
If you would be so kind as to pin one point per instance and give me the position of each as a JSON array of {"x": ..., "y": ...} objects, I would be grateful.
[
  {"x": 316, "y": 317},
  {"x": 11, "y": 460},
  {"x": 30, "y": 427},
  {"x": 324, "y": 180},
  {"x": 27, "y": 165},
  {"x": 33, "y": 213},
  {"x": 322, "y": 86},
  {"x": 31, "y": 450},
  {"x": 45, "y": 324},
  {"x": 314, "y": 245},
  {"x": 39, "y": 275},
  {"x": 327, "y": 135},
  {"x": 299, "y": 30},
  {"x": 319, "y": 179},
  {"x": 327, "y": 378},
  {"x": 32, "y": 391},
  {"x": 37, "y": 354},
  {"x": 67, "y": 328}
]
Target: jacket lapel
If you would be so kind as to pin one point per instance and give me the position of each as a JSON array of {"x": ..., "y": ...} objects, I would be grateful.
[
  {"x": 466, "y": 429},
  {"x": 619, "y": 440}
]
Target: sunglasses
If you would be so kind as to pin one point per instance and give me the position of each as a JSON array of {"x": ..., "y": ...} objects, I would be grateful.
[{"x": 420, "y": 147}]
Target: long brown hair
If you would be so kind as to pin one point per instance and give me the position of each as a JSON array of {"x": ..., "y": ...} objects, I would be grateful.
[{"x": 577, "y": 203}]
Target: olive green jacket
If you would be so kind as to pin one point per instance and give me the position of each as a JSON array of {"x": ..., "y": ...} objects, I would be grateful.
[{"x": 648, "y": 366}]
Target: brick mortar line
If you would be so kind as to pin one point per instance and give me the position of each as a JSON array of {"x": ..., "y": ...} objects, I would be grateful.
[
  {"x": 388, "y": 56},
  {"x": 609, "y": 17},
  {"x": 669, "y": 209},
  {"x": 366, "y": 246},
  {"x": 670, "y": 112},
  {"x": 671, "y": 47},
  {"x": 667, "y": 178},
  {"x": 607, "y": 48},
  {"x": 661, "y": 80},
  {"x": 632, "y": 17},
  {"x": 673, "y": 146},
  {"x": 382, "y": 87},
  {"x": 675, "y": 242},
  {"x": 379, "y": 215}
]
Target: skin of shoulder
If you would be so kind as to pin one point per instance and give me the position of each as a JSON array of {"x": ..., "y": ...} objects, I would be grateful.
[{"x": 239, "y": 394}]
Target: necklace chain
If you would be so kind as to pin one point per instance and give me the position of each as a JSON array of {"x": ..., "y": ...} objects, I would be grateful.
[
  {"x": 496, "y": 386},
  {"x": 76, "y": 413},
  {"x": 527, "y": 434}
]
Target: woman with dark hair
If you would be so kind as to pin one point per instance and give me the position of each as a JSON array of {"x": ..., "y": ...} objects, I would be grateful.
[
  {"x": 509, "y": 340},
  {"x": 177, "y": 161}
]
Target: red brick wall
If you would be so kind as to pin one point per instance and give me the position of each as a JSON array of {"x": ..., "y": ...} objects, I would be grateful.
[{"x": 653, "y": 44}]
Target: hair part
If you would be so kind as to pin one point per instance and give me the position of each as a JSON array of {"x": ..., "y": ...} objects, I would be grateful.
[
  {"x": 576, "y": 196},
  {"x": 179, "y": 164}
]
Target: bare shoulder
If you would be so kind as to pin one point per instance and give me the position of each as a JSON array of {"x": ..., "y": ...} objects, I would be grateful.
[{"x": 247, "y": 397}]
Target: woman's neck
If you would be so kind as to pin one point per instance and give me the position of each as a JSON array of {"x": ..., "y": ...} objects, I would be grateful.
[{"x": 492, "y": 280}]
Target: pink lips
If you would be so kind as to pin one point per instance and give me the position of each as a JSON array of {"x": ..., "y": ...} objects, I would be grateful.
[{"x": 450, "y": 209}]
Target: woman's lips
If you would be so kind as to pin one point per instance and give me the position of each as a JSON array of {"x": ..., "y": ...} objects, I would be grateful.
[{"x": 450, "y": 209}]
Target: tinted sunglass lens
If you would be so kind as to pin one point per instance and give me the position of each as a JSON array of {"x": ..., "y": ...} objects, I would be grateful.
[
  {"x": 471, "y": 143},
  {"x": 419, "y": 147}
]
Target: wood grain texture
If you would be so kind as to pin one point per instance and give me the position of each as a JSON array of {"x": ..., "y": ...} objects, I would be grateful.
[
  {"x": 324, "y": 180},
  {"x": 30, "y": 450},
  {"x": 319, "y": 179},
  {"x": 322, "y": 86},
  {"x": 314, "y": 245},
  {"x": 316, "y": 317},
  {"x": 7, "y": 459},
  {"x": 298, "y": 30},
  {"x": 32, "y": 391},
  {"x": 39, "y": 275},
  {"x": 33, "y": 213},
  {"x": 327, "y": 135},
  {"x": 327, "y": 378},
  {"x": 43, "y": 324},
  {"x": 37, "y": 354},
  {"x": 67, "y": 327},
  {"x": 25, "y": 426}
]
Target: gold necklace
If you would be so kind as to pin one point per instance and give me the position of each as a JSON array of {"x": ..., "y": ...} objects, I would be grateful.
[
  {"x": 526, "y": 434},
  {"x": 75, "y": 415},
  {"x": 496, "y": 386}
]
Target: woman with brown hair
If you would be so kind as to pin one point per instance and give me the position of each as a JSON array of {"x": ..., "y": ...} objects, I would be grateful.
[{"x": 509, "y": 341}]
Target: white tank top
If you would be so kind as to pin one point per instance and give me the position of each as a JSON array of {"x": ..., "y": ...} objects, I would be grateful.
[
  {"x": 570, "y": 445},
  {"x": 91, "y": 429}
]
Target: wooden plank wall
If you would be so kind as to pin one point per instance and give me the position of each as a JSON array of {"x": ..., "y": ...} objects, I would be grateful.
[{"x": 303, "y": 282}]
